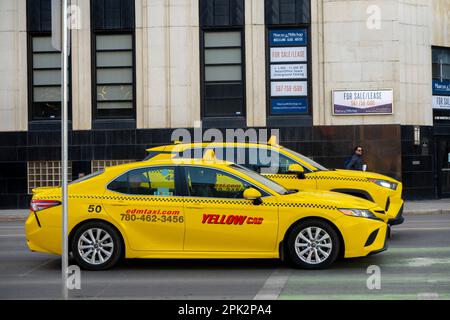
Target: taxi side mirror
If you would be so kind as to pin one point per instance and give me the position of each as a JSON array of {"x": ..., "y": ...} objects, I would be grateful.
[
  {"x": 298, "y": 169},
  {"x": 253, "y": 194}
]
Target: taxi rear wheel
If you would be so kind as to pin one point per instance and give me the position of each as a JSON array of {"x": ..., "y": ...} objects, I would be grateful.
[
  {"x": 313, "y": 244},
  {"x": 96, "y": 246}
]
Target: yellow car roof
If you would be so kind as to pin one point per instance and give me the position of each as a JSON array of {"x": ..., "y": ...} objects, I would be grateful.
[
  {"x": 200, "y": 162},
  {"x": 183, "y": 146}
]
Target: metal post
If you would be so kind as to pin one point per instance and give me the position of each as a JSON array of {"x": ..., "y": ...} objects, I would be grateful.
[{"x": 64, "y": 153}]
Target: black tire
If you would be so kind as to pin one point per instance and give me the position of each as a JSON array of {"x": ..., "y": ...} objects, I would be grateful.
[
  {"x": 112, "y": 245},
  {"x": 323, "y": 261}
]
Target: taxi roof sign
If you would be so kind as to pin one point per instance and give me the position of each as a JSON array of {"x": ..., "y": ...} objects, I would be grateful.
[
  {"x": 273, "y": 140},
  {"x": 209, "y": 155}
]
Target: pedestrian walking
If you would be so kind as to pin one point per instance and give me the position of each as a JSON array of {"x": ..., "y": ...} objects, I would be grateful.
[{"x": 355, "y": 162}]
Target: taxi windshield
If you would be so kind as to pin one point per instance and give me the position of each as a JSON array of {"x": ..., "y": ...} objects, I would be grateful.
[
  {"x": 318, "y": 167},
  {"x": 263, "y": 180}
]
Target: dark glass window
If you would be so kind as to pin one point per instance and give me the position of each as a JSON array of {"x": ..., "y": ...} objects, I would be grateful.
[
  {"x": 158, "y": 181},
  {"x": 221, "y": 13},
  {"x": 113, "y": 23},
  {"x": 46, "y": 79},
  {"x": 222, "y": 67},
  {"x": 441, "y": 64},
  {"x": 114, "y": 75},
  {"x": 44, "y": 64},
  {"x": 223, "y": 73},
  {"x": 279, "y": 12},
  {"x": 206, "y": 182}
]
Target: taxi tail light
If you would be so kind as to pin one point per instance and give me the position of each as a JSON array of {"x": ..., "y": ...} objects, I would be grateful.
[{"x": 38, "y": 205}]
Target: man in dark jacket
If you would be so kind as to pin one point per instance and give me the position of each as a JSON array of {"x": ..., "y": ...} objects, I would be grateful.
[{"x": 355, "y": 162}]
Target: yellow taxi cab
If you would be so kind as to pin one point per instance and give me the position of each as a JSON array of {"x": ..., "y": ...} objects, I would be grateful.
[
  {"x": 201, "y": 208},
  {"x": 275, "y": 162}
]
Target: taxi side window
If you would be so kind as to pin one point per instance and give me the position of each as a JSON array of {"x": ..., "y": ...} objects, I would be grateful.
[
  {"x": 158, "y": 181},
  {"x": 206, "y": 182},
  {"x": 268, "y": 161}
]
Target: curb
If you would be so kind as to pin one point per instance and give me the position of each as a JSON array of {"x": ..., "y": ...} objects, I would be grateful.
[
  {"x": 12, "y": 218},
  {"x": 426, "y": 212}
]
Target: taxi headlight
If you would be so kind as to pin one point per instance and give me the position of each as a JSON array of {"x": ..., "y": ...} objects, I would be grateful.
[
  {"x": 385, "y": 183},
  {"x": 363, "y": 213}
]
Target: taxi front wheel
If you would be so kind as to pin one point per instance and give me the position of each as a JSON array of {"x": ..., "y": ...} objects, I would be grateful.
[
  {"x": 96, "y": 246},
  {"x": 313, "y": 244}
]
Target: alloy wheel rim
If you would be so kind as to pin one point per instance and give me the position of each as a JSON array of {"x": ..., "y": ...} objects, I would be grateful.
[
  {"x": 95, "y": 246},
  {"x": 313, "y": 245}
]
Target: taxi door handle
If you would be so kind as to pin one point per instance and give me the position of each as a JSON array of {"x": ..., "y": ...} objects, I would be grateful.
[
  {"x": 119, "y": 203},
  {"x": 195, "y": 207}
]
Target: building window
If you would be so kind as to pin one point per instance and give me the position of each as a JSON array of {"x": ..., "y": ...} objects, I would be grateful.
[
  {"x": 441, "y": 64},
  {"x": 114, "y": 69},
  {"x": 44, "y": 65},
  {"x": 222, "y": 58},
  {"x": 113, "y": 56},
  {"x": 46, "y": 79},
  {"x": 223, "y": 74},
  {"x": 97, "y": 165},
  {"x": 45, "y": 174}
]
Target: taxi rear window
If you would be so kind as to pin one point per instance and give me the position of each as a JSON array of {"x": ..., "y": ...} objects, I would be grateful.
[
  {"x": 89, "y": 176},
  {"x": 152, "y": 154},
  {"x": 157, "y": 181}
]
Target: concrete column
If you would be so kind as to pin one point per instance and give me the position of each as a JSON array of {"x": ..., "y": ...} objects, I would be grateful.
[
  {"x": 13, "y": 66},
  {"x": 81, "y": 81},
  {"x": 255, "y": 63}
]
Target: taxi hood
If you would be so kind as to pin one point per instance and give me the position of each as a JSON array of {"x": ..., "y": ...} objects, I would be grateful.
[
  {"x": 363, "y": 174},
  {"x": 331, "y": 198}
]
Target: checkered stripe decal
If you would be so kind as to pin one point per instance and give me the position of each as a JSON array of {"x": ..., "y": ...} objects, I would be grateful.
[
  {"x": 187, "y": 200},
  {"x": 300, "y": 205},
  {"x": 283, "y": 176},
  {"x": 343, "y": 179},
  {"x": 293, "y": 176}
]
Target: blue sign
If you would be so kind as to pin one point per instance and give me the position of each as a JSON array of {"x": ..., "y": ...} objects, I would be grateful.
[
  {"x": 441, "y": 87},
  {"x": 286, "y": 106},
  {"x": 288, "y": 37}
]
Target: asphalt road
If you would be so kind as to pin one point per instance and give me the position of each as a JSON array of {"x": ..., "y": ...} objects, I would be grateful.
[{"x": 416, "y": 266}]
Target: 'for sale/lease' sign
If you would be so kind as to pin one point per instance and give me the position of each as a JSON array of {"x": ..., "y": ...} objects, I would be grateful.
[
  {"x": 441, "y": 102},
  {"x": 288, "y": 54},
  {"x": 288, "y": 88},
  {"x": 362, "y": 102}
]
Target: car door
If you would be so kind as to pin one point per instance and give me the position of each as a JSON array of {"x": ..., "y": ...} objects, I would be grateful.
[
  {"x": 146, "y": 204},
  {"x": 275, "y": 166},
  {"x": 219, "y": 219}
]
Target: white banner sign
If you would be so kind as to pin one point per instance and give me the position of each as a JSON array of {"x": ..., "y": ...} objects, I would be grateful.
[
  {"x": 288, "y": 54},
  {"x": 288, "y": 71},
  {"x": 348, "y": 102},
  {"x": 441, "y": 102},
  {"x": 288, "y": 88}
]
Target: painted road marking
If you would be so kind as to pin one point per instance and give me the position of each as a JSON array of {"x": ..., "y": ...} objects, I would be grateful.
[
  {"x": 335, "y": 279},
  {"x": 37, "y": 267},
  {"x": 273, "y": 285},
  {"x": 426, "y": 262},
  {"x": 416, "y": 250},
  {"x": 422, "y": 229},
  {"x": 12, "y": 227},
  {"x": 428, "y": 296},
  {"x": 394, "y": 296},
  {"x": 12, "y": 235}
]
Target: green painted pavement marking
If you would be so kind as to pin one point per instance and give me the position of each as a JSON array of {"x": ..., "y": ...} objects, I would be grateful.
[
  {"x": 359, "y": 297},
  {"x": 294, "y": 280},
  {"x": 414, "y": 250}
]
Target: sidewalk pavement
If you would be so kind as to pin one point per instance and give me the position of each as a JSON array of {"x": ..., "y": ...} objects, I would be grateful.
[{"x": 441, "y": 206}]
